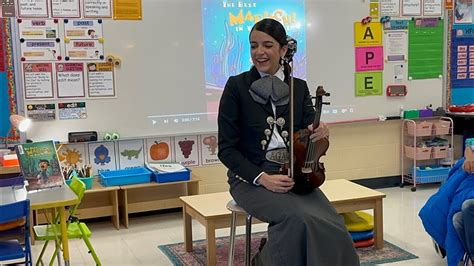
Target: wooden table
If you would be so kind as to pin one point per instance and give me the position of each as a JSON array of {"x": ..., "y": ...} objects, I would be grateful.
[
  {"x": 57, "y": 198},
  {"x": 210, "y": 210}
]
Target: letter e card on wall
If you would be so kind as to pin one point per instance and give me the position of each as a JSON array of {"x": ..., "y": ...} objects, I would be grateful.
[{"x": 368, "y": 84}]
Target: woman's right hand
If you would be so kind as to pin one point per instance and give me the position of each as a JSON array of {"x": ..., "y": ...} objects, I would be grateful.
[
  {"x": 276, "y": 183},
  {"x": 468, "y": 164}
]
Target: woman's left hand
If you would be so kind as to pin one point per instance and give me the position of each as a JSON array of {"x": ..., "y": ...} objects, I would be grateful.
[{"x": 319, "y": 133}]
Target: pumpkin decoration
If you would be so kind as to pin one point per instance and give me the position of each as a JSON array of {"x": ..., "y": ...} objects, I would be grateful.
[{"x": 159, "y": 151}]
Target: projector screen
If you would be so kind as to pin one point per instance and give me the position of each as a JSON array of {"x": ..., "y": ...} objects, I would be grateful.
[{"x": 176, "y": 61}]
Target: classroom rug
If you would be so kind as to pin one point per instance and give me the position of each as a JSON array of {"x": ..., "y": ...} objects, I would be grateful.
[{"x": 178, "y": 255}]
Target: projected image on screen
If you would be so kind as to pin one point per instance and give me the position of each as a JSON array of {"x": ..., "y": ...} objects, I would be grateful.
[{"x": 226, "y": 28}]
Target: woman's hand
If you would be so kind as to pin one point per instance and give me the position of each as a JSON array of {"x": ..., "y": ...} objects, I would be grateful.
[
  {"x": 319, "y": 133},
  {"x": 468, "y": 164},
  {"x": 276, "y": 183}
]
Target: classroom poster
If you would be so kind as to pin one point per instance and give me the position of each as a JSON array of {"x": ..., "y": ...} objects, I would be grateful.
[
  {"x": 65, "y": 9},
  {"x": 70, "y": 80},
  {"x": 411, "y": 8},
  {"x": 8, "y": 8},
  {"x": 390, "y": 8},
  {"x": 367, "y": 34},
  {"x": 40, "y": 50},
  {"x": 97, "y": 8},
  {"x": 102, "y": 157},
  {"x": 38, "y": 80},
  {"x": 374, "y": 8},
  {"x": 463, "y": 11},
  {"x": 432, "y": 7},
  {"x": 127, "y": 9},
  {"x": 100, "y": 79},
  {"x": 83, "y": 29},
  {"x": 73, "y": 110},
  {"x": 72, "y": 154},
  {"x": 209, "y": 148},
  {"x": 33, "y": 8},
  {"x": 38, "y": 29},
  {"x": 462, "y": 64},
  {"x": 41, "y": 112},
  {"x": 160, "y": 149},
  {"x": 368, "y": 84},
  {"x": 369, "y": 58},
  {"x": 394, "y": 24},
  {"x": 396, "y": 46},
  {"x": 226, "y": 26},
  {"x": 84, "y": 50},
  {"x": 187, "y": 150},
  {"x": 425, "y": 48},
  {"x": 131, "y": 153}
]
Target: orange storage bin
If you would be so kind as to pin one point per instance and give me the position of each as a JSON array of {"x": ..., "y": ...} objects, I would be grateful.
[
  {"x": 421, "y": 153},
  {"x": 440, "y": 152},
  {"x": 441, "y": 127},
  {"x": 423, "y": 128}
]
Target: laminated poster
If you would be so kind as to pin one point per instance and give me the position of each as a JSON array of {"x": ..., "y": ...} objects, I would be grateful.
[
  {"x": 38, "y": 80},
  {"x": 187, "y": 150},
  {"x": 70, "y": 80},
  {"x": 159, "y": 149},
  {"x": 131, "y": 153},
  {"x": 102, "y": 157}
]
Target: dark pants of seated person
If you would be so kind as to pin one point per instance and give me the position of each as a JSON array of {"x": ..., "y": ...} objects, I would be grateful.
[{"x": 464, "y": 225}]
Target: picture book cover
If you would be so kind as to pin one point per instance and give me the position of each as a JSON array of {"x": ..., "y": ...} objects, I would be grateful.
[{"x": 40, "y": 165}]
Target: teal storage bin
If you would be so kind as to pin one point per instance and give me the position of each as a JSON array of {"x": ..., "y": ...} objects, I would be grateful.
[
  {"x": 87, "y": 181},
  {"x": 125, "y": 177},
  {"x": 432, "y": 174}
]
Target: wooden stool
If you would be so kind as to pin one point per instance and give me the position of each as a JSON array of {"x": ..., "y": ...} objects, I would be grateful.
[{"x": 236, "y": 209}]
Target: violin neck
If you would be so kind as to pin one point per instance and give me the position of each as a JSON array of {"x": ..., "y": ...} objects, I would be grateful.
[{"x": 317, "y": 116}]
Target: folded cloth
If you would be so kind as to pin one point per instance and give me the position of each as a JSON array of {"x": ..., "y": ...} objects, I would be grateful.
[
  {"x": 358, "y": 221},
  {"x": 363, "y": 235}
]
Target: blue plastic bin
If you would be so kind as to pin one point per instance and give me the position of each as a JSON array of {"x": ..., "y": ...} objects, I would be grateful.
[
  {"x": 432, "y": 175},
  {"x": 125, "y": 177},
  {"x": 163, "y": 177}
]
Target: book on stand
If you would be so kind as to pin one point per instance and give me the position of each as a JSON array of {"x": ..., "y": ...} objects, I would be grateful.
[{"x": 39, "y": 165}]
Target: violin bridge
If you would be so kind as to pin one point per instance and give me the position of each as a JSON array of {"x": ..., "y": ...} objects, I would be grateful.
[{"x": 308, "y": 168}]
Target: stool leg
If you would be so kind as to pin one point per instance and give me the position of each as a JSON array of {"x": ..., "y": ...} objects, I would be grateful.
[
  {"x": 233, "y": 223},
  {"x": 248, "y": 233}
]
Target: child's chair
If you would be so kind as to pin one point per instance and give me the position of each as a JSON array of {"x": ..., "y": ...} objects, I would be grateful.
[
  {"x": 15, "y": 220},
  {"x": 75, "y": 229}
]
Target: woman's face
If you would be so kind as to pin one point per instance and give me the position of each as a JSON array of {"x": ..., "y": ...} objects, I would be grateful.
[{"x": 266, "y": 52}]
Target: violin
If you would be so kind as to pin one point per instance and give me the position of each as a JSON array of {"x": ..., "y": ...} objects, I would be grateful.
[{"x": 308, "y": 172}]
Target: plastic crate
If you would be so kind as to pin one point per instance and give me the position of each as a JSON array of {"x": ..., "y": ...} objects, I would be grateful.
[
  {"x": 12, "y": 181},
  {"x": 440, "y": 152},
  {"x": 125, "y": 177},
  {"x": 163, "y": 177},
  {"x": 421, "y": 153},
  {"x": 441, "y": 127},
  {"x": 423, "y": 128},
  {"x": 431, "y": 174},
  {"x": 87, "y": 181}
]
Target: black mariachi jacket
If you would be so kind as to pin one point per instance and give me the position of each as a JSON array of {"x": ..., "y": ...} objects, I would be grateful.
[{"x": 242, "y": 123}]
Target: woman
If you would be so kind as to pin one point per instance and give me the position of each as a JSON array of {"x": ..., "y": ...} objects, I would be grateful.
[{"x": 253, "y": 136}]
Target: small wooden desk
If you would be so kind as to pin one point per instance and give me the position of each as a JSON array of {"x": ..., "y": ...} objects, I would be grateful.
[
  {"x": 57, "y": 198},
  {"x": 210, "y": 210}
]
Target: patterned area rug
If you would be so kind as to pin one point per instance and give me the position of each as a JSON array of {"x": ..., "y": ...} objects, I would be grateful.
[{"x": 178, "y": 255}]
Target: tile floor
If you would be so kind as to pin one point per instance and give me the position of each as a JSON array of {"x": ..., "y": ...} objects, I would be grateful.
[{"x": 138, "y": 245}]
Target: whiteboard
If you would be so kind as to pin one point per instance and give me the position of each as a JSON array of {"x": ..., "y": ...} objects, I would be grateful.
[{"x": 162, "y": 73}]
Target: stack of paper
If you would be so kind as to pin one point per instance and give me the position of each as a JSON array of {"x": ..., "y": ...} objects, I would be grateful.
[{"x": 166, "y": 167}]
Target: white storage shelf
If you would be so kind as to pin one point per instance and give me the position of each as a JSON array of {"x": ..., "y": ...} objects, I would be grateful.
[{"x": 426, "y": 163}]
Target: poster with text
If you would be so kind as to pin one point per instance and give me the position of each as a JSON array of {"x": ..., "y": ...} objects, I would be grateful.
[
  {"x": 75, "y": 110},
  {"x": 127, "y": 9},
  {"x": 102, "y": 157},
  {"x": 84, "y": 50},
  {"x": 396, "y": 46},
  {"x": 38, "y": 29},
  {"x": 368, "y": 84},
  {"x": 38, "y": 80},
  {"x": 97, "y": 8},
  {"x": 100, "y": 78},
  {"x": 8, "y": 8},
  {"x": 41, "y": 112},
  {"x": 70, "y": 80},
  {"x": 390, "y": 8},
  {"x": 40, "y": 50},
  {"x": 209, "y": 148},
  {"x": 187, "y": 150},
  {"x": 463, "y": 11},
  {"x": 462, "y": 56},
  {"x": 159, "y": 149},
  {"x": 411, "y": 7},
  {"x": 65, "y": 9},
  {"x": 73, "y": 154},
  {"x": 33, "y": 8},
  {"x": 369, "y": 34},
  {"x": 83, "y": 29},
  {"x": 432, "y": 7},
  {"x": 369, "y": 58},
  {"x": 226, "y": 27},
  {"x": 131, "y": 153}
]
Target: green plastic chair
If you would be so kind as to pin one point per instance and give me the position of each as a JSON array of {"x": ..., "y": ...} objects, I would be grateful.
[{"x": 75, "y": 229}]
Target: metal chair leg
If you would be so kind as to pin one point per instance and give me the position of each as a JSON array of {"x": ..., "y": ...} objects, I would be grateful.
[
  {"x": 248, "y": 233},
  {"x": 233, "y": 223}
]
